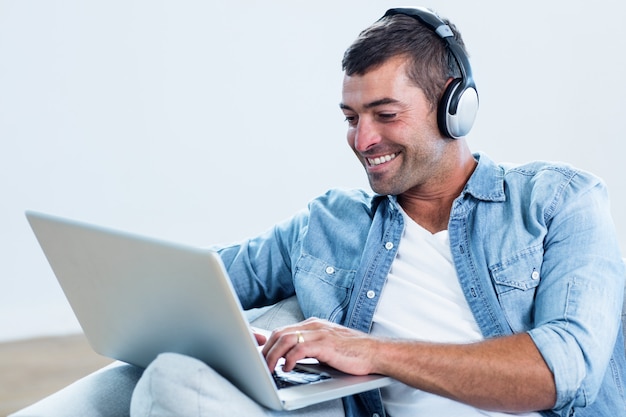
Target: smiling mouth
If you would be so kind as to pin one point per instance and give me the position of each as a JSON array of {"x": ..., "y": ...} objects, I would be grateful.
[{"x": 381, "y": 159}]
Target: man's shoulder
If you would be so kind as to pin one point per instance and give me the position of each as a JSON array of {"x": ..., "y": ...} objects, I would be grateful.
[
  {"x": 341, "y": 202},
  {"x": 345, "y": 196},
  {"x": 540, "y": 171},
  {"x": 551, "y": 184},
  {"x": 536, "y": 166},
  {"x": 538, "y": 179}
]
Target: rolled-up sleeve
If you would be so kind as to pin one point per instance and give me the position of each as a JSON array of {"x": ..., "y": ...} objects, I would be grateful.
[{"x": 578, "y": 305}]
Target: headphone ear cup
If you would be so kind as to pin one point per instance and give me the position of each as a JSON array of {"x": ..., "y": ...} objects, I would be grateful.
[
  {"x": 444, "y": 107},
  {"x": 455, "y": 124}
]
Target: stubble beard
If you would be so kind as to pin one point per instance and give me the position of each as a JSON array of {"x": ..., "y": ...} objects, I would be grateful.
[{"x": 383, "y": 185}]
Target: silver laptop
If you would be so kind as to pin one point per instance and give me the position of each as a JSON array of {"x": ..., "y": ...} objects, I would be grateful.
[{"x": 136, "y": 297}]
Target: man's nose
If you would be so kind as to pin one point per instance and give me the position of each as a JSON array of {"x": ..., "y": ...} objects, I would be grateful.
[{"x": 365, "y": 136}]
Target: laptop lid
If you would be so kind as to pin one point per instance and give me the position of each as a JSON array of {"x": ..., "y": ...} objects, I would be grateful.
[{"x": 136, "y": 297}]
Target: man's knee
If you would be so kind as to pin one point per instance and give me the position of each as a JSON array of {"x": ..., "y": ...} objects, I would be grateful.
[{"x": 179, "y": 385}]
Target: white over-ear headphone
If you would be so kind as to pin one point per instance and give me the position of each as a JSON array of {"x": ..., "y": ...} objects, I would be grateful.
[{"x": 459, "y": 103}]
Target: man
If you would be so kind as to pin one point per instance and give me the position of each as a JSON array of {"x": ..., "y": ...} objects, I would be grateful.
[{"x": 482, "y": 289}]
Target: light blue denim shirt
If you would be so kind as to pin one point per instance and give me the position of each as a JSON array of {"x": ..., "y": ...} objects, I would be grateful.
[{"x": 535, "y": 251}]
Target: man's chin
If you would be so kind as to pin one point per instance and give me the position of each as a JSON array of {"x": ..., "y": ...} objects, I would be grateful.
[
  {"x": 383, "y": 189},
  {"x": 384, "y": 184}
]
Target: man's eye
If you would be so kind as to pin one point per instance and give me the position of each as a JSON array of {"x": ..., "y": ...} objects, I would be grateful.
[
  {"x": 387, "y": 116},
  {"x": 351, "y": 120}
]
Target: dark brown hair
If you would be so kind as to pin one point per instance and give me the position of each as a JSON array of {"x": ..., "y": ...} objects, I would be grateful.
[{"x": 432, "y": 64}]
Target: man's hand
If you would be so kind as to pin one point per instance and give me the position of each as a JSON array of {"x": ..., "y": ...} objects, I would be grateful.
[
  {"x": 348, "y": 350},
  {"x": 260, "y": 339},
  {"x": 261, "y": 335}
]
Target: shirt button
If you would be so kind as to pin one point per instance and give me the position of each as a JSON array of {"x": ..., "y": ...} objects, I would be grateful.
[
  {"x": 330, "y": 270},
  {"x": 371, "y": 294},
  {"x": 389, "y": 245},
  {"x": 535, "y": 275},
  {"x": 375, "y": 415}
]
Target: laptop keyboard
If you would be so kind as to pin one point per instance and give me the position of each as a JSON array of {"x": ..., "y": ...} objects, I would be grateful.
[{"x": 298, "y": 376}]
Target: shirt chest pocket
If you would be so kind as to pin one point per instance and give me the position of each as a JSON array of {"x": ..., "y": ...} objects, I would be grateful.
[
  {"x": 515, "y": 281},
  {"x": 327, "y": 288}
]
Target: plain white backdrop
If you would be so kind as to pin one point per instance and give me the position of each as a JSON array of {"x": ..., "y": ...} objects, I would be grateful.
[{"x": 202, "y": 122}]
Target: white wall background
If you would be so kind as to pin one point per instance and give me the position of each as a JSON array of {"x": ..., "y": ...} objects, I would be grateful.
[{"x": 202, "y": 122}]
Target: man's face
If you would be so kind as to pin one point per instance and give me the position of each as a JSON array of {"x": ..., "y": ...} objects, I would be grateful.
[{"x": 392, "y": 129}]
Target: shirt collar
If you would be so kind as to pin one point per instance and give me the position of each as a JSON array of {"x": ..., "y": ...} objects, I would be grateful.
[{"x": 487, "y": 180}]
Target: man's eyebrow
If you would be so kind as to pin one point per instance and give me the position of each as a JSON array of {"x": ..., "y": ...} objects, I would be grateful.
[{"x": 374, "y": 103}]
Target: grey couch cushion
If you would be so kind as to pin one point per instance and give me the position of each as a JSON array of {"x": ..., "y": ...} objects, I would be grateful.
[{"x": 279, "y": 315}]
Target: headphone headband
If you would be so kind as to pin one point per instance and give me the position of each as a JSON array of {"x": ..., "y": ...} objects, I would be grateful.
[{"x": 425, "y": 16}]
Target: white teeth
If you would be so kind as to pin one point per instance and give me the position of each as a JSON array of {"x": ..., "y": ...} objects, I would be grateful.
[{"x": 381, "y": 159}]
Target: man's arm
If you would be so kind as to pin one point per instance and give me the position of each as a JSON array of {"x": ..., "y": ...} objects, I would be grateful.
[{"x": 504, "y": 374}]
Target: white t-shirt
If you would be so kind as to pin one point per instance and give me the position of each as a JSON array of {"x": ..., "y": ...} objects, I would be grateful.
[{"x": 422, "y": 299}]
